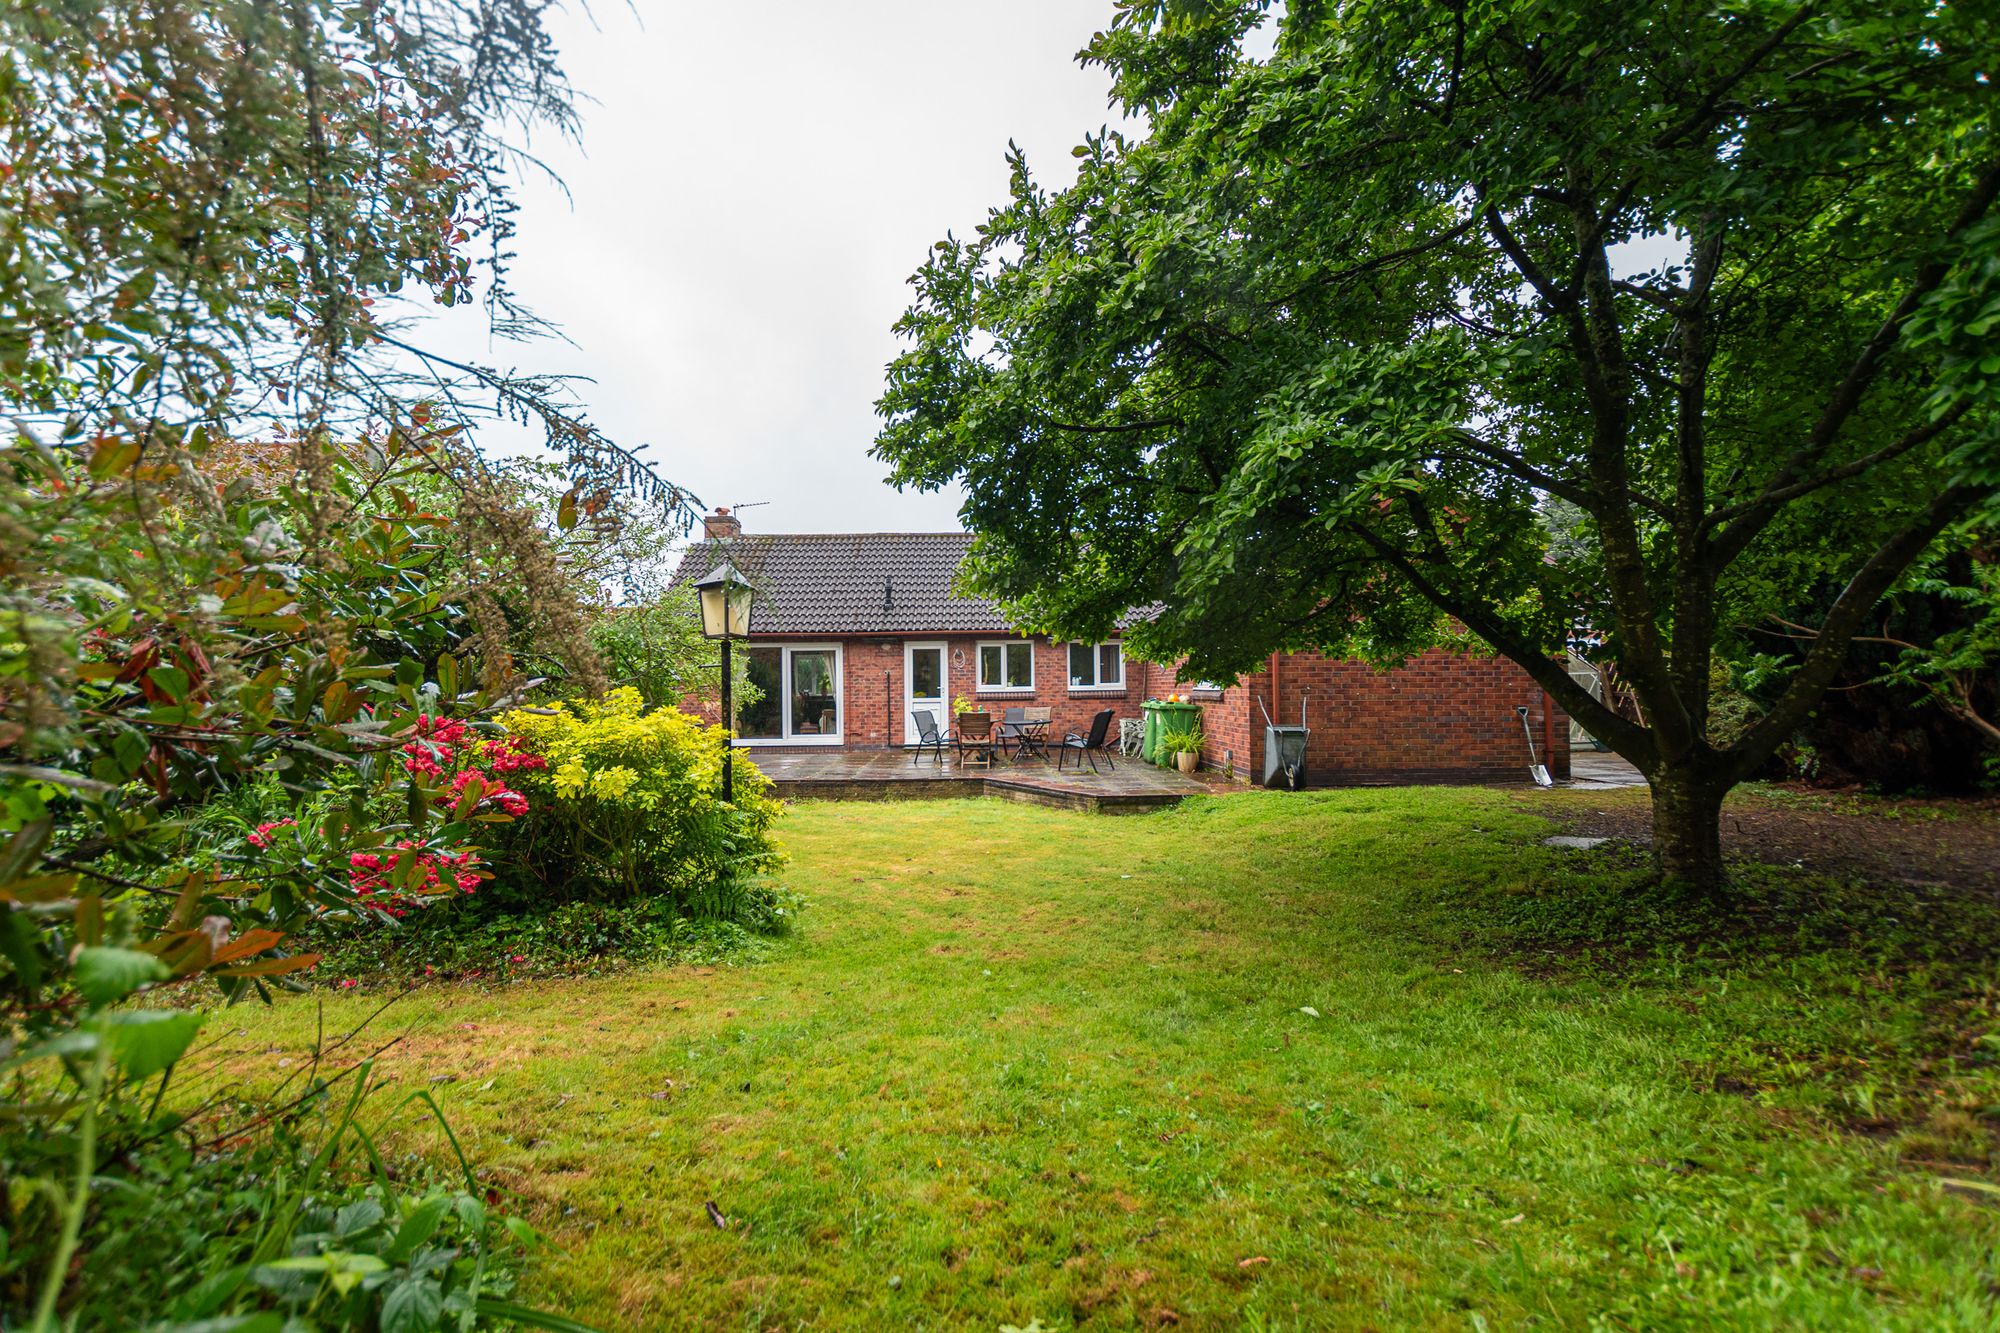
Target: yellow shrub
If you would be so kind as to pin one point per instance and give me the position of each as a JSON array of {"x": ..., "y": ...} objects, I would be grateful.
[{"x": 630, "y": 804}]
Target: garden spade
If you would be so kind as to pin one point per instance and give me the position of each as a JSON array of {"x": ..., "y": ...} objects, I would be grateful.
[{"x": 1536, "y": 769}]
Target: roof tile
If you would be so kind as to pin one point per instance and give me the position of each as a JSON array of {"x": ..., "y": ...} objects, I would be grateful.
[{"x": 851, "y": 582}]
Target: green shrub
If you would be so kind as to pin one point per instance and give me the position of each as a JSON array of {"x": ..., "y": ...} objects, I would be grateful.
[
  {"x": 482, "y": 937},
  {"x": 657, "y": 648},
  {"x": 630, "y": 807},
  {"x": 298, "y": 1223},
  {"x": 1181, "y": 742}
]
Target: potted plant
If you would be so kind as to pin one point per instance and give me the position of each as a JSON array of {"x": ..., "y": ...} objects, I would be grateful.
[
  {"x": 962, "y": 708},
  {"x": 1184, "y": 746}
]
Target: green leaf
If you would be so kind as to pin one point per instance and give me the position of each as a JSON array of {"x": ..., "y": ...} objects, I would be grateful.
[
  {"x": 207, "y": 1295},
  {"x": 413, "y": 1307},
  {"x": 146, "y": 1042},
  {"x": 418, "y": 1227},
  {"x": 172, "y": 681},
  {"x": 18, "y": 938},
  {"x": 104, "y": 975},
  {"x": 526, "y": 1317}
]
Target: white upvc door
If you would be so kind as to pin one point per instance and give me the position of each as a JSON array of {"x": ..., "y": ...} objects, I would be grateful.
[{"x": 926, "y": 685}]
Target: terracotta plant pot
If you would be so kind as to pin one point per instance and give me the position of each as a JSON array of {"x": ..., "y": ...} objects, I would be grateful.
[{"x": 1186, "y": 762}]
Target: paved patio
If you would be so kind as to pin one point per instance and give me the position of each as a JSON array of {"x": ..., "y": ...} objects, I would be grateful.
[
  {"x": 889, "y": 775},
  {"x": 1600, "y": 770}
]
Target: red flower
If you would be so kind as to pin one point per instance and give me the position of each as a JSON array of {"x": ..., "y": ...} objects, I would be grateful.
[
  {"x": 437, "y": 741},
  {"x": 262, "y": 837},
  {"x": 510, "y": 756},
  {"x": 369, "y": 874},
  {"x": 492, "y": 792}
]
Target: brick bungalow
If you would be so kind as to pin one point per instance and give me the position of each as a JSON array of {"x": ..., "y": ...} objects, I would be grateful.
[{"x": 852, "y": 633}]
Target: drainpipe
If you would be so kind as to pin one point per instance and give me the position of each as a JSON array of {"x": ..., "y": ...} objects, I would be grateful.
[
  {"x": 1277, "y": 713},
  {"x": 1548, "y": 732},
  {"x": 888, "y": 711}
]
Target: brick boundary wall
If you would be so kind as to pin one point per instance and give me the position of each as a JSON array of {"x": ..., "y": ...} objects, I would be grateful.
[{"x": 1442, "y": 717}]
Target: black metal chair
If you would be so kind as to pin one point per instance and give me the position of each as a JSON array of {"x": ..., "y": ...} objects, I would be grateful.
[
  {"x": 929, "y": 736},
  {"x": 1089, "y": 747}
]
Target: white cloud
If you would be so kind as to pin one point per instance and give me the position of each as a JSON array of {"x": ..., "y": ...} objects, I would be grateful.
[{"x": 748, "y": 198}]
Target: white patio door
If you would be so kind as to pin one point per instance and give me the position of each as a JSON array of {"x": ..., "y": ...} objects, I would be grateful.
[{"x": 926, "y": 686}]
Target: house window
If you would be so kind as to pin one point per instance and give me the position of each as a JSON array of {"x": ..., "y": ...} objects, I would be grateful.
[
  {"x": 798, "y": 695},
  {"x": 1006, "y": 666},
  {"x": 1096, "y": 666}
]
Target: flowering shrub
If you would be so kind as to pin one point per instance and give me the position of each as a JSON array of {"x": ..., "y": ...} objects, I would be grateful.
[{"x": 627, "y": 804}]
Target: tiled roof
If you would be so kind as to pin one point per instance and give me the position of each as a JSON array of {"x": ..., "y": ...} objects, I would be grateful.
[{"x": 851, "y": 582}]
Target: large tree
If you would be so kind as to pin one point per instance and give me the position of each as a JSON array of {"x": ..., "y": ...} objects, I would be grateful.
[{"x": 1305, "y": 361}]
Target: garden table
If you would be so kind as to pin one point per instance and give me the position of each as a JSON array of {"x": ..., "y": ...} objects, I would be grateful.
[{"x": 1030, "y": 739}]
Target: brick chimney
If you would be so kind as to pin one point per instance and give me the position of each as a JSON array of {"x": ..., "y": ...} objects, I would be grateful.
[{"x": 721, "y": 525}]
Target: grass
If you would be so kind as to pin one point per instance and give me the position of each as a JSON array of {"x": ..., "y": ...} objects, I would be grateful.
[{"x": 1325, "y": 1061}]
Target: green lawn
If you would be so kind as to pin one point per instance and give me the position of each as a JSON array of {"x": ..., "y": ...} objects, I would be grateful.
[{"x": 1019, "y": 1064}]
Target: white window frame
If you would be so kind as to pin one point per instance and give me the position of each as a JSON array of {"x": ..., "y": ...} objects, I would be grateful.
[
  {"x": 1097, "y": 664},
  {"x": 979, "y": 666},
  {"x": 838, "y": 737}
]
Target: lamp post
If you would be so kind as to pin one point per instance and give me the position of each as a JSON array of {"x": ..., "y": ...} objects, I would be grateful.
[{"x": 725, "y": 615}]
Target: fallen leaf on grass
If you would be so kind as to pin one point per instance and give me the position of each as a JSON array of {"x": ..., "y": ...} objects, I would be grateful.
[
  {"x": 1252, "y": 1262},
  {"x": 1308, "y": 1011},
  {"x": 1515, "y": 1219},
  {"x": 715, "y": 1216}
]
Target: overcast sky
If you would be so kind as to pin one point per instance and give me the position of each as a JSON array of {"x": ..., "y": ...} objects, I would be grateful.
[{"x": 746, "y": 205}]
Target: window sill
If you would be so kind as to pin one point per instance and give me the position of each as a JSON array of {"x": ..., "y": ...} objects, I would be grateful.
[
  {"x": 1097, "y": 689},
  {"x": 1001, "y": 691}
]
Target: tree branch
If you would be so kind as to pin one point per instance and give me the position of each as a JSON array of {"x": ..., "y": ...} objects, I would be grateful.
[
  {"x": 1368, "y": 266},
  {"x": 1583, "y": 498},
  {"x": 1702, "y": 114},
  {"x": 1626, "y": 737},
  {"x": 1861, "y": 373},
  {"x": 1842, "y": 623},
  {"x": 1076, "y": 428},
  {"x": 1914, "y": 439}
]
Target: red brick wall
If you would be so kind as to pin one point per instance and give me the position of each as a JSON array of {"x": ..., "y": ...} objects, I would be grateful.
[
  {"x": 1069, "y": 711},
  {"x": 1440, "y": 718},
  {"x": 1232, "y": 730},
  {"x": 872, "y": 671}
]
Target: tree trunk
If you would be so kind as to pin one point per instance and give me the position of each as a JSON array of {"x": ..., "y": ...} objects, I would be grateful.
[{"x": 1687, "y": 830}]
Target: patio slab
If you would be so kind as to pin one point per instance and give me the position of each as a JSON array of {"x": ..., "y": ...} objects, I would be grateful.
[{"x": 891, "y": 775}]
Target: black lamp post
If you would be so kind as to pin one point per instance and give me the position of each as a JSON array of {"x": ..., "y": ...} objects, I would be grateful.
[{"x": 725, "y": 615}]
